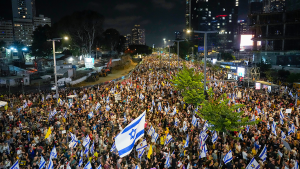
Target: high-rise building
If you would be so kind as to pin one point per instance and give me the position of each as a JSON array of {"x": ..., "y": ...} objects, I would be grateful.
[
  {"x": 6, "y": 32},
  {"x": 243, "y": 27},
  {"x": 23, "y": 14},
  {"x": 41, "y": 20},
  {"x": 138, "y": 36},
  {"x": 213, "y": 15},
  {"x": 128, "y": 40}
]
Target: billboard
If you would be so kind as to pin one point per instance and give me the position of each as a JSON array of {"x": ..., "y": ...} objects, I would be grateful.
[
  {"x": 247, "y": 42},
  {"x": 89, "y": 62},
  {"x": 241, "y": 71}
]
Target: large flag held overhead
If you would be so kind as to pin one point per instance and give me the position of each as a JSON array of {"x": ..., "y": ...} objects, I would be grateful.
[
  {"x": 42, "y": 163},
  {"x": 253, "y": 164},
  {"x": 141, "y": 145},
  {"x": 53, "y": 153},
  {"x": 263, "y": 154},
  {"x": 215, "y": 137},
  {"x": 168, "y": 139},
  {"x": 186, "y": 144},
  {"x": 274, "y": 128},
  {"x": 50, "y": 165},
  {"x": 130, "y": 135},
  {"x": 228, "y": 157},
  {"x": 88, "y": 165},
  {"x": 204, "y": 151},
  {"x": 86, "y": 141},
  {"x": 15, "y": 166}
]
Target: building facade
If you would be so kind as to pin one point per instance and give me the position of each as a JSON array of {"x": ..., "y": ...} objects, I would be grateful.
[
  {"x": 178, "y": 35},
  {"x": 213, "y": 15},
  {"x": 41, "y": 20},
  {"x": 23, "y": 9},
  {"x": 6, "y": 32},
  {"x": 138, "y": 36}
]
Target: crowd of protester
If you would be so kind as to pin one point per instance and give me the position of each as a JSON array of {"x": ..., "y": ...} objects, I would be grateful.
[{"x": 25, "y": 123}]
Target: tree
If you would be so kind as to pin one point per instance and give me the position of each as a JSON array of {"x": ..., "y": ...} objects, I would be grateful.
[
  {"x": 2, "y": 44},
  {"x": 264, "y": 67},
  {"x": 40, "y": 46},
  {"x": 293, "y": 77},
  {"x": 111, "y": 39},
  {"x": 272, "y": 75},
  {"x": 221, "y": 116},
  {"x": 189, "y": 83},
  {"x": 227, "y": 56}
]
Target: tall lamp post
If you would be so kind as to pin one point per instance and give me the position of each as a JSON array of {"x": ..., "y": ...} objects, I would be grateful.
[
  {"x": 54, "y": 62},
  {"x": 178, "y": 50},
  {"x": 205, "y": 50}
]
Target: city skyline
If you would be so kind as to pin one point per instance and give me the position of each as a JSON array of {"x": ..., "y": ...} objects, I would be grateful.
[{"x": 160, "y": 18}]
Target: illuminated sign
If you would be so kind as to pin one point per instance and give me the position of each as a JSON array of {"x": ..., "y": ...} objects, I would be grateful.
[
  {"x": 257, "y": 86},
  {"x": 89, "y": 62},
  {"x": 241, "y": 71}
]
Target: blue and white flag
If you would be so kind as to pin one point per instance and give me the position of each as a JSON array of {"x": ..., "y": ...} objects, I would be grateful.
[
  {"x": 107, "y": 108},
  {"x": 291, "y": 129},
  {"x": 15, "y": 166},
  {"x": 42, "y": 163},
  {"x": 125, "y": 119},
  {"x": 247, "y": 128},
  {"x": 65, "y": 115},
  {"x": 203, "y": 136},
  {"x": 194, "y": 120},
  {"x": 274, "y": 128},
  {"x": 186, "y": 144},
  {"x": 253, "y": 164},
  {"x": 168, "y": 164},
  {"x": 214, "y": 137},
  {"x": 53, "y": 153},
  {"x": 142, "y": 96},
  {"x": 176, "y": 123},
  {"x": 90, "y": 115},
  {"x": 98, "y": 106},
  {"x": 159, "y": 106},
  {"x": 154, "y": 137},
  {"x": 88, "y": 165},
  {"x": 70, "y": 105},
  {"x": 92, "y": 148},
  {"x": 107, "y": 99},
  {"x": 241, "y": 136},
  {"x": 281, "y": 115},
  {"x": 263, "y": 154},
  {"x": 86, "y": 141},
  {"x": 84, "y": 97},
  {"x": 25, "y": 105},
  {"x": 140, "y": 153},
  {"x": 80, "y": 161},
  {"x": 296, "y": 166},
  {"x": 43, "y": 98},
  {"x": 74, "y": 141},
  {"x": 203, "y": 151},
  {"x": 151, "y": 131},
  {"x": 153, "y": 103},
  {"x": 50, "y": 165},
  {"x": 113, "y": 148},
  {"x": 130, "y": 135},
  {"x": 184, "y": 128},
  {"x": 174, "y": 111},
  {"x": 86, "y": 151},
  {"x": 228, "y": 157},
  {"x": 168, "y": 139},
  {"x": 99, "y": 167},
  {"x": 268, "y": 125},
  {"x": 141, "y": 145},
  {"x": 283, "y": 136},
  {"x": 291, "y": 94},
  {"x": 74, "y": 92}
]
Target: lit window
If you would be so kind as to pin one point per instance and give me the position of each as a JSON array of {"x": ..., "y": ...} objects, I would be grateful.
[
  {"x": 218, "y": 26},
  {"x": 236, "y": 4},
  {"x": 24, "y": 16},
  {"x": 197, "y": 16},
  {"x": 229, "y": 20},
  {"x": 229, "y": 32},
  {"x": 223, "y": 18},
  {"x": 206, "y": 0},
  {"x": 213, "y": 18},
  {"x": 223, "y": 9},
  {"x": 209, "y": 11},
  {"x": 200, "y": 9},
  {"x": 206, "y": 9},
  {"x": 218, "y": 23},
  {"x": 208, "y": 23},
  {"x": 203, "y": 18},
  {"x": 209, "y": 15},
  {"x": 223, "y": 23},
  {"x": 225, "y": 32},
  {"x": 230, "y": 14}
]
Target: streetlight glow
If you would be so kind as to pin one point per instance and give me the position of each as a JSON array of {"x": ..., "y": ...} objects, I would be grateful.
[
  {"x": 188, "y": 31},
  {"x": 66, "y": 38}
]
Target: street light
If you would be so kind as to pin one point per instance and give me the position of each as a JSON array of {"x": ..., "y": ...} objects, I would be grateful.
[
  {"x": 54, "y": 62},
  {"x": 178, "y": 50},
  {"x": 205, "y": 50}
]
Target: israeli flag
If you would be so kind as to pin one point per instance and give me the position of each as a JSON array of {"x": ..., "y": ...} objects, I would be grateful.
[
  {"x": 99, "y": 167},
  {"x": 141, "y": 145},
  {"x": 241, "y": 136},
  {"x": 107, "y": 108},
  {"x": 90, "y": 115},
  {"x": 253, "y": 164},
  {"x": 203, "y": 136},
  {"x": 168, "y": 139},
  {"x": 176, "y": 123},
  {"x": 74, "y": 92},
  {"x": 153, "y": 103},
  {"x": 174, "y": 111},
  {"x": 70, "y": 105},
  {"x": 80, "y": 162},
  {"x": 107, "y": 99},
  {"x": 42, "y": 163},
  {"x": 142, "y": 96},
  {"x": 53, "y": 153},
  {"x": 263, "y": 154},
  {"x": 166, "y": 109},
  {"x": 84, "y": 97},
  {"x": 88, "y": 165},
  {"x": 159, "y": 106},
  {"x": 184, "y": 128},
  {"x": 274, "y": 128},
  {"x": 154, "y": 137},
  {"x": 296, "y": 166},
  {"x": 15, "y": 166},
  {"x": 140, "y": 153},
  {"x": 151, "y": 109},
  {"x": 268, "y": 126},
  {"x": 130, "y": 135},
  {"x": 43, "y": 99},
  {"x": 86, "y": 141},
  {"x": 98, "y": 106},
  {"x": 291, "y": 129},
  {"x": 92, "y": 148},
  {"x": 125, "y": 119},
  {"x": 86, "y": 151},
  {"x": 247, "y": 128},
  {"x": 74, "y": 141},
  {"x": 168, "y": 164},
  {"x": 283, "y": 135},
  {"x": 50, "y": 165},
  {"x": 214, "y": 137},
  {"x": 194, "y": 120},
  {"x": 253, "y": 118},
  {"x": 203, "y": 151},
  {"x": 25, "y": 105},
  {"x": 151, "y": 131},
  {"x": 113, "y": 148},
  {"x": 228, "y": 157},
  {"x": 186, "y": 142},
  {"x": 291, "y": 94},
  {"x": 65, "y": 115},
  {"x": 281, "y": 115}
]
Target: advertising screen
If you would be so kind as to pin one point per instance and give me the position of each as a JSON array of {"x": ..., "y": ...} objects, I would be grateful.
[
  {"x": 89, "y": 62},
  {"x": 257, "y": 86},
  {"x": 241, "y": 71}
]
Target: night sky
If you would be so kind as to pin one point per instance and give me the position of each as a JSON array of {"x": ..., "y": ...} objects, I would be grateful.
[{"x": 159, "y": 18}]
